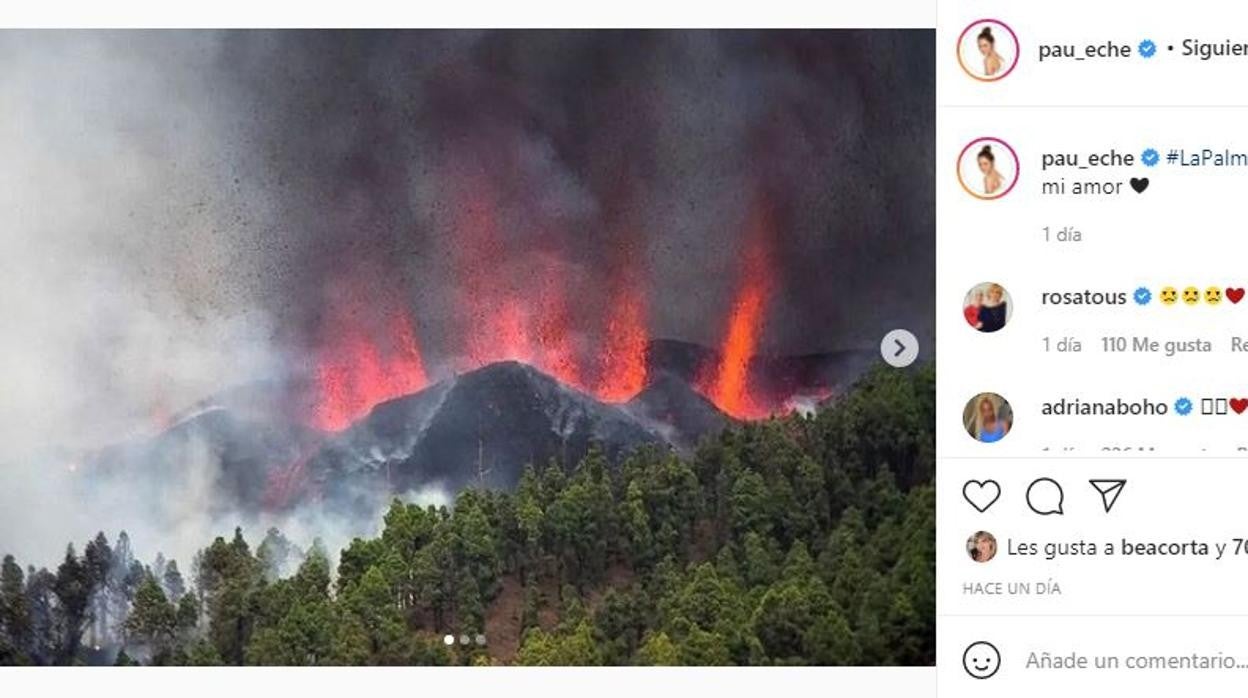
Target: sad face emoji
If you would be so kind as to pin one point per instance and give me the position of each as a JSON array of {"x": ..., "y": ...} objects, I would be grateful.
[
  {"x": 1191, "y": 295},
  {"x": 981, "y": 660},
  {"x": 1169, "y": 295},
  {"x": 1213, "y": 295}
]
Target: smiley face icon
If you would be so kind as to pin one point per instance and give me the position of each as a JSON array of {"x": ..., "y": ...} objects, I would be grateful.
[
  {"x": 981, "y": 660},
  {"x": 1213, "y": 295},
  {"x": 1169, "y": 295},
  {"x": 1191, "y": 295}
]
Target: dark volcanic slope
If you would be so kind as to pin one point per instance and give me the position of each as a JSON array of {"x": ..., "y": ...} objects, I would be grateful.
[
  {"x": 242, "y": 449},
  {"x": 670, "y": 406},
  {"x": 216, "y": 452},
  {"x": 481, "y": 427}
]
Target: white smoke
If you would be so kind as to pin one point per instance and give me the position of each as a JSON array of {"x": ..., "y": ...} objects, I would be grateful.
[{"x": 123, "y": 292}]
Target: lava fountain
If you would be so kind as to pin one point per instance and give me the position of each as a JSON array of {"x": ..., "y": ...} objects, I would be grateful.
[
  {"x": 622, "y": 362},
  {"x": 358, "y": 369},
  {"x": 729, "y": 384}
]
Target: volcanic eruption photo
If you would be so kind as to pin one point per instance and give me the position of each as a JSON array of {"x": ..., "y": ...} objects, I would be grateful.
[{"x": 466, "y": 348}]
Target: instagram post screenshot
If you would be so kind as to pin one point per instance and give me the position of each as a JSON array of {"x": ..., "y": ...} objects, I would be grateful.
[
  {"x": 565, "y": 350},
  {"x": 507, "y": 358}
]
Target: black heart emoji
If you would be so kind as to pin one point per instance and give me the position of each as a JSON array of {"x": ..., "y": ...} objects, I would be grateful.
[{"x": 1139, "y": 184}]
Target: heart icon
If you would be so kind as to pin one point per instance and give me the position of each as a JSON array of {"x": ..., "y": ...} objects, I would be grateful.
[
  {"x": 1239, "y": 404},
  {"x": 1234, "y": 295},
  {"x": 1139, "y": 184},
  {"x": 982, "y": 494}
]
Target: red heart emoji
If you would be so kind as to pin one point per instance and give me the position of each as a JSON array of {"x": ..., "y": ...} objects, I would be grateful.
[
  {"x": 1239, "y": 404},
  {"x": 1234, "y": 295}
]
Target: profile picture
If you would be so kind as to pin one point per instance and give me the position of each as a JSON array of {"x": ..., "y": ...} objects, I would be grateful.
[
  {"x": 981, "y": 546},
  {"x": 988, "y": 417},
  {"x": 987, "y": 168},
  {"x": 988, "y": 50},
  {"x": 987, "y": 307}
]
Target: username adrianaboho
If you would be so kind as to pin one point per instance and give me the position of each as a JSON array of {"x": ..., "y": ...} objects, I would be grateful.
[{"x": 1075, "y": 407}]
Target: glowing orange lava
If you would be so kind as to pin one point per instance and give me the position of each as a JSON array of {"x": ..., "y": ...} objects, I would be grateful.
[
  {"x": 728, "y": 386},
  {"x": 355, "y": 372},
  {"x": 513, "y": 302},
  {"x": 622, "y": 364},
  {"x": 557, "y": 353},
  {"x": 730, "y": 389}
]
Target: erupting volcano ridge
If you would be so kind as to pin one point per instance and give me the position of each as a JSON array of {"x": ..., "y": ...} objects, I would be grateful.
[{"x": 370, "y": 353}]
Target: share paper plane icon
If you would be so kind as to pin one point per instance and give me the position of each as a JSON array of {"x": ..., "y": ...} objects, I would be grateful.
[{"x": 1109, "y": 490}]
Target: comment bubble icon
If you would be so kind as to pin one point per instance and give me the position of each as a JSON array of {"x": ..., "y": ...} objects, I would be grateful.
[{"x": 1045, "y": 497}]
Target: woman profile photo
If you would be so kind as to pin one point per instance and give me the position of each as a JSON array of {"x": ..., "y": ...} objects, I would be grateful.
[
  {"x": 987, "y": 168},
  {"x": 987, "y": 307},
  {"x": 987, "y": 44},
  {"x": 981, "y": 546},
  {"x": 988, "y": 50},
  {"x": 988, "y": 418}
]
